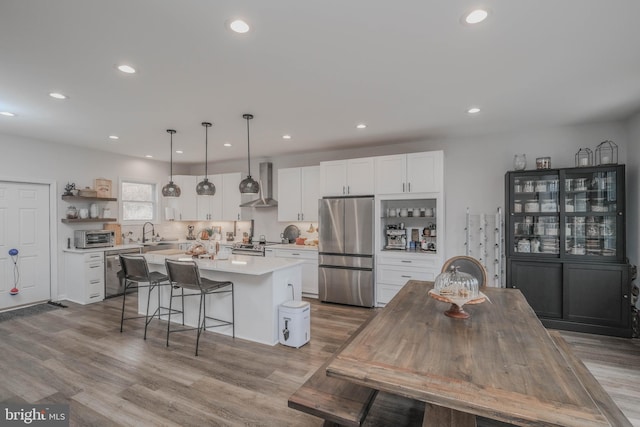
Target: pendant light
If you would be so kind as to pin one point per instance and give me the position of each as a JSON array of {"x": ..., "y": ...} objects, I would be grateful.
[
  {"x": 204, "y": 187},
  {"x": 171, "y": 189},
  {"x": 248, "y": 185}
]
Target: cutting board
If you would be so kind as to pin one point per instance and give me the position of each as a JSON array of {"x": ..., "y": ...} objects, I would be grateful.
[{"x": 117, "y": 229}]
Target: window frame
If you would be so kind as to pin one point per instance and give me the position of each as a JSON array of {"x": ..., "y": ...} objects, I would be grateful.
[{"x": 156, "y": 201}]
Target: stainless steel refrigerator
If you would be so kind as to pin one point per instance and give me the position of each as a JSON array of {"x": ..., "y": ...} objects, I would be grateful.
[{"x": 346, "y": 247}]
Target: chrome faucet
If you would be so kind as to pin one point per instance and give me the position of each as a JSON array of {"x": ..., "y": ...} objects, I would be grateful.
[{"x": 153, "y": 232}]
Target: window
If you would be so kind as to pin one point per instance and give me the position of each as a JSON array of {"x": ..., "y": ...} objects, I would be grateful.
[{"x": 138, "y": 200}]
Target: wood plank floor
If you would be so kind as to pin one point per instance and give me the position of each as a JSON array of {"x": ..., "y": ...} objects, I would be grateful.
[{"x": 77, "y": 355}]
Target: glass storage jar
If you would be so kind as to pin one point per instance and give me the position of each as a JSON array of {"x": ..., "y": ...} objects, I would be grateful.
[
  {"x": 72, "y": 212},
  {"x": 519, "y": 162},
  {"x": 543, "y": 163}
]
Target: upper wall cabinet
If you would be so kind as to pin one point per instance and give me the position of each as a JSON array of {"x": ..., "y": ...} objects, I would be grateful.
[
  {"x": 223, "y": 206},
  {"x": 298, "y": 193},
  {"x": 231, "y": 196},
  {"x": 409, "y": 173},
  {"x": 210, "y": 207},
  {"x": 347, "y": 177},
  {"x": 184, "y": 207}
]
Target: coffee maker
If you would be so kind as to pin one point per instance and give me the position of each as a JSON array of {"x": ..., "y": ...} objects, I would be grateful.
[{"x": 396, "y": 237}]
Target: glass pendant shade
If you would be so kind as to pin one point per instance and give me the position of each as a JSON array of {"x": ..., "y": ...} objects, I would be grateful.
[
  {"x": 171, "y": 189},
  {"x": 204, "y": 187},
  {"x": 249, "y": 185}
]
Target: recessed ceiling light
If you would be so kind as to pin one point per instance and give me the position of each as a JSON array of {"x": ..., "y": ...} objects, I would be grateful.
[
  {"x": 149, "y": 156},
  {"x": 239, "y": 26},
  {"x": 361, "y": 126},
  {"x": 179, "y": 152},
  {"x": 476, "y": 16},
  {"x": 126, "y": 69},
  {"x": 114, "y": 137},
  {"x": 57, "y": 95},
  {"x": 7, "y": 113},
  {"x": 473, "y": 110},
  {"x": 286, "y": 136},
  {"x": 226, "y": 144}
]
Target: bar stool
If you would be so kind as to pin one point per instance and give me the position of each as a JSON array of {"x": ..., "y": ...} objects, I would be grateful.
[
  {"x": 186, "y": 275},
  {"x": 136, "y": 271}
]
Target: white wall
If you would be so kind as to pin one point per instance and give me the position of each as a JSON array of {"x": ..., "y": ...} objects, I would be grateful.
[
  {"x": 24, "y": 159},
  {"x": 474, "y": 171},
  {"x": 474, "y": 168},
  {"x": 633, "y": 185}
]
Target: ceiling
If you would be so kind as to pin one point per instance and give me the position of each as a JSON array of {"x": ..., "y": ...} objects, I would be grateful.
[{"x": 313, "y": 70}]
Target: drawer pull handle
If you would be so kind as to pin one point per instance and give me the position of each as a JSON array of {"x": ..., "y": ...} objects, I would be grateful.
[
  {"x": 406, "y": 277},
  {"x": 404, "y": 260},
  {"x": 93, "y": 282},
  {"x": 95, "y": 266},
  {"x": 94, "y": 295}
]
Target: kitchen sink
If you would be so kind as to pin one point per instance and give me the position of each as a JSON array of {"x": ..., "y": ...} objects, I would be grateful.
[{"x": 159, "y": 246}]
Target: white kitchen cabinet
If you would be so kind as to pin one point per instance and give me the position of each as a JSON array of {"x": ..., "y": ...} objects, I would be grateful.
[
  {"x": 309, "y": 268},
  {"x": 298, "y": 193},
  {"x": 231, "y": 196},
  {"x": 210, "y": 207},
  {"x": 184, "y": 208},
  {"x": 393, "y": 271},
  {"x": 84, "y": 277},
  {"x": 409, "y": 173},
  {"x": 347, "y": 177}
]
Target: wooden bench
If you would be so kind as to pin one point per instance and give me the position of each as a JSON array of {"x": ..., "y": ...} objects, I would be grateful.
[
  {"x": 338, "y": 402},
  {"x": 607, "y": 406}
]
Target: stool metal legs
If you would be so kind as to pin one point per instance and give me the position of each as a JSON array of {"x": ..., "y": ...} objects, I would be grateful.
[{"x": 202, "y": 315}]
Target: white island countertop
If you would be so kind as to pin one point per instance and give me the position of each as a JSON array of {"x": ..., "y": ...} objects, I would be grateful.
[{"x": 240, "y": 264}]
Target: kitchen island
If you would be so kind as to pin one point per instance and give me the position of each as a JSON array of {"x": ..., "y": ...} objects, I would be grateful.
[{"x": 261, "y": 284}]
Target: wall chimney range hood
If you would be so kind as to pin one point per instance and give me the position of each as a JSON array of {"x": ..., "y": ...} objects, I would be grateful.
[{"x": 265, "y": 199}]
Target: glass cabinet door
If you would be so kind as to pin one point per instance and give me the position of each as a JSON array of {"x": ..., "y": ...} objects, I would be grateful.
[
  {"x": 592, "y": 219},
  {"x": 534, "y": 213}
]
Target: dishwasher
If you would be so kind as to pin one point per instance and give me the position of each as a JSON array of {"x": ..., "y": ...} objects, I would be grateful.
[{"x": 113, "y": 277}]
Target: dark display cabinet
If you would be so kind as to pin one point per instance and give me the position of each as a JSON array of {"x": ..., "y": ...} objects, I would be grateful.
[{"x": 566, "y": 247}]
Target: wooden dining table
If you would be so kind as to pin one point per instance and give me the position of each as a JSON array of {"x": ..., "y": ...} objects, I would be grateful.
[{"x": 500, "y": 363}]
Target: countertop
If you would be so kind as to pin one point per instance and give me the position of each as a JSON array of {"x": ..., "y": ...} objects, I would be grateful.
[
  {"x": 293, "y": 247},
  {"x": 239, "y": 264},
  {"x": 109, "y": 248}
]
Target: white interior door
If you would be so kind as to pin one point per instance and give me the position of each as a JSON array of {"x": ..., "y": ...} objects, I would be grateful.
[{"x": 24, "y": 225}]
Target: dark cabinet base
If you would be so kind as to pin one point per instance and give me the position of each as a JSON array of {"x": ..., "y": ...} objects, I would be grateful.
[
  {"x": 581, "y": 297},
  {"x": 541, "y": 284}
]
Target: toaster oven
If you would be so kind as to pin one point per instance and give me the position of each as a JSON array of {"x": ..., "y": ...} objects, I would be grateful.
[{"x": 87, "y": 239}]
